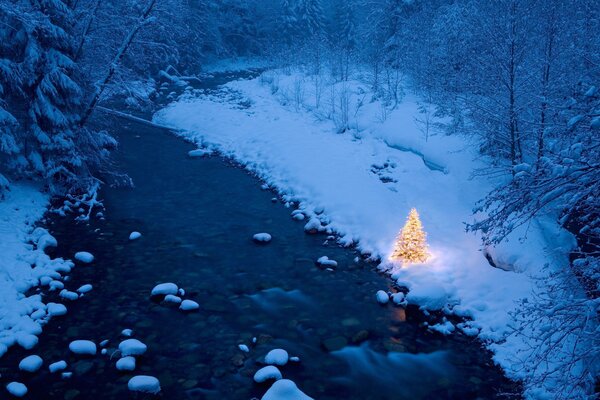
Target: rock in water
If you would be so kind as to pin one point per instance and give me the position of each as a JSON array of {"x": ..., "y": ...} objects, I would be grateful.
[
  {"x": 83, "y": 347},
  {"x": 163, "y": 289},
  {"x": 189, "y": 305},
  {"x": 126, "y": 364},
  {"x": 285, "y": 389},
  {"x": 132, "y": 347},
  {"x": 266, "y": 373},
  {"x": 262, "y": 237},
  {"x": 31, "y": 363},
  {"x": 144, "y": 384},
  {"x": 57, "y": 366},
  {"x": 17, "y": 389},
  {"x": 134, "y": 235},
  {"x": 382, "y": 297},
  {"x": 277, "y": 357},
  {"x": 84, "y": 257}
]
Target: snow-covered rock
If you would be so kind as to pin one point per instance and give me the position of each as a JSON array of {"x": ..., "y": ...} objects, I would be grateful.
[
  {"x": 382, "y": 297},
  {"x": 326, "y": 262},
  {"x": 163, "y": 289},
  {"x": 262, "y": 237},
  {"x": 17, "y": 389},
  {"x": 144, "y": 384},
  {"x": 126, "y": 363},
  {"x": 285, "y": 389},
  {"x": 189, "y": 305},
  {"x": 134, "y": 235},
  {"x": 445, "y": 328},
  {"x": 295, "y": 359},
  {"x": 68, "y": 295},
  {"x": 399, "y": 299},
  {"x": 66, "y": 375},
  {"x": 31, "y": 363},
  {"x": 132, "y": 347},
  {"x": 266, "y": 373},
  {"x": 83, "y": 347},
  {"x": 171, "y": 298},
  {"x": 277, "y": 357},
  {"x": 199, "y": 153},
  {"x": 85, "y": 288},
  {"x": 127, "y": 332},
  {"x": 243, "y": 348},
  {"x": 57, "y": 366},
  {"x": 56, "y": 309},
  {"x": 84, "y": 256}
]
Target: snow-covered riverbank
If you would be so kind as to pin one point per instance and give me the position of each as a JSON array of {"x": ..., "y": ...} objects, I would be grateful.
[
  {"x": 361, "y": 185},
  {"x": 24, "y": 265}
]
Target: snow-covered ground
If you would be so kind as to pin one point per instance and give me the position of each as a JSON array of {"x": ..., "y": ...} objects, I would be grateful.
[
  {"x": 24, "y": 265},
  {"x": 362, "y": 184}
]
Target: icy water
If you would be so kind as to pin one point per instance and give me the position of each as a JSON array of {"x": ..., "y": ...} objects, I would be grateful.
[{"x": 197, "y": 217}]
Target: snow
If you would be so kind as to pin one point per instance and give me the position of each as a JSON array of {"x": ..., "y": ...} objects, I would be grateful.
[
  {"x": 126, "y": 363},
  {"x": 163, "y": 289},
  {"x": 26, "y": 340},
  {"x": 285, "y": 389},
  {"x": 365, "y": 181},
  {"x": 132, "y": 347},
  {"x": 57, "y": 366},
  {"x": 127, "y": 332},
  {"x": 144, "y": 384},
  {"x": 326, "y": 262},
  {"x": 170, "y": 298},
  {"x": 266, "y": 373},
  {"x": 243, "y": 348},
  {"x": 134, "y": 235},
  {"x": 84, "y": 257},
  {"x": 31, "y": 363},
  {"x": 262, "y": 237},
  {"x": 85, "y": 288},
  {"x": 277, "y": 357},
  {"x": 56, "y": 309},
  {"x": 382, "y": 297},
  {"x": 24, "y": 265},
  {"x": 199, "y": 153},
  {"x": 83, "y": 347},
  {"x": 189, "y": 305},
  {"x": 17, "y": 389},
  {"x": 68, "y": 295}
]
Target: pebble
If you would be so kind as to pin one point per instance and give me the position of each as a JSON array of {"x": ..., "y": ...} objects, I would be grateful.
[{"x": 189, "y": 305}]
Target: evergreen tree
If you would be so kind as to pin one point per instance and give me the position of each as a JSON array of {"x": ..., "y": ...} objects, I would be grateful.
[
  {"x": 411, "y": 244},
  {"x": 288, "y": 21}
]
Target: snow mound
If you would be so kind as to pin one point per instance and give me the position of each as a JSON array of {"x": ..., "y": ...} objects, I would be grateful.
[
  {"x": 189, "y": 305},
  {"x": 144, "y": 384},
  {"x": 83, "y": 347},
  {"x": 163, "y": 289},
  {"x": 327, "y": 262},
  {"x": 285, "y": 389},
  {"x": 132, "y": 347},
  {"x": 262, "y": 237},
  {"x": 134, "y": 235},
  {"x": 84, "y": 257},
  {"x": 126, "y": 363},
  {"x": 17, "y": 389},
  {"x": 382, "y": 297},
  {"x": 266, "y": 373},
  {"x": 57, "y": 366},
  {"x": 31, "y": 363},
  {"x": 430, "y": 297},
  {"x": 277, "y": 357}
]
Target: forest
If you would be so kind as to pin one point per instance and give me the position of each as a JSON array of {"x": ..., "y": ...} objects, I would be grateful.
[{"x": 517, "y": 80}]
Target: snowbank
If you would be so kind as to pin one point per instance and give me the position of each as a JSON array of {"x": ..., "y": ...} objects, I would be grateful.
[
  {"x": 24, "y": 265},
  {"x": 363, "y": 183}
]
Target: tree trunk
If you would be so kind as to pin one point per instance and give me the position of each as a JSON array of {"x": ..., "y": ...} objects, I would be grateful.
[{"x": 143, "y": 20}]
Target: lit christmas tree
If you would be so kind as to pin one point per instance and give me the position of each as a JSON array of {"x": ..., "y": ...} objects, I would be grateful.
[{"x": 411, "y": 244}]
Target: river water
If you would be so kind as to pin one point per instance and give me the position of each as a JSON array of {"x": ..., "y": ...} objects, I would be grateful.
[{"x": 197, "y": 217}]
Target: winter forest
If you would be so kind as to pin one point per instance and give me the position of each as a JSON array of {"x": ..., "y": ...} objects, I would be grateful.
[{"x": 298, "y": 199}]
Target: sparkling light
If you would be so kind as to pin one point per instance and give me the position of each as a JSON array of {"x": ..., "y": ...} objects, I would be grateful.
[{"x": 411, "y": 243}]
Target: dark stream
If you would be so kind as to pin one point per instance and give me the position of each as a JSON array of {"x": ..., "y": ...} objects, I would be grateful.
[{"x": 197, "y": 217}]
